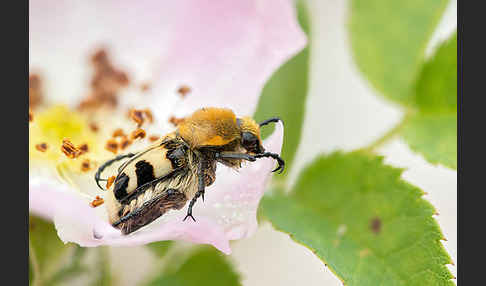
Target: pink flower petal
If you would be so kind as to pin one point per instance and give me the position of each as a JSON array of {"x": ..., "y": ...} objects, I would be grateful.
[
  {"x": 77, "y": 222},
  {"x": 63, "y": 34},
  {"x": 240, "y": 194},
  {"x": 224, "y": 50}
]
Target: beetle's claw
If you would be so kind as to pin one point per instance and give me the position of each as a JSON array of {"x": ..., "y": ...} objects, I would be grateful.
[
  {"x": 189, "y": 215},
  {"x": 281, "y": 166}
]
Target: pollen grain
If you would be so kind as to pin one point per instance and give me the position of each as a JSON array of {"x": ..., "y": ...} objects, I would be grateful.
[
  {"x": 112, "y": 146},
  {"x": 86, "y": 165},
  {"x": 110, "y": 181},
  {"x": 153, "y": 138},
  {"x": 97, "y": 202},
  {"x": 183, "y": 90},
  {"x": 125, "y": 142},
  {"x": 69, "y": 149},
  {"x": 138, "y": 133},
  {"x": 42, "y": 147},
  {"x": 118, "y": 133}
]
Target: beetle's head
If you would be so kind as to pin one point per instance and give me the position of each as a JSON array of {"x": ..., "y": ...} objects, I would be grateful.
[{"x": 250, "y": 135}]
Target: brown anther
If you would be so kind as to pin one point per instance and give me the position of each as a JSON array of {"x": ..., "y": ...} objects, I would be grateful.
[
  {"x": 125, "y": 142},
  {"x": 175, "y": 121},
  {"x": 86, "y": 165},
  {"x": 97, "y": 202},
  {"x": 112, "y": 146},
  {"x": 183, "y": 90},
  {"x": 100, "y": 57},
  {"x": 148, "y": 115},
  {"x": 118, "y": 133},
  {"x": 106, "y": 82},
  {"x": 83, "y": 148},
  {"x": 35, "y": 90},
  {"x": 144, "y": 87},
  {"x": 110, "y": 181},
  {"x": 137, "y": 116},
  {"x": 153, "y": 138},
  {"x": 34, "y": 81},
  {"x": 121, "y": 78},
  {"x": 139, "y": 133},
  {"x": 31, "y": 115},
  {"x": 42, "y": 147},
  {"x": 90, "y": 102},
  {"x": 69, "y": 149},
  {"x": 93, "y": 127}
]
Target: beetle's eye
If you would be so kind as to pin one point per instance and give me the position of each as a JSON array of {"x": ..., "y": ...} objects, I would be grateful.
[{"x": 249, "y": 141}]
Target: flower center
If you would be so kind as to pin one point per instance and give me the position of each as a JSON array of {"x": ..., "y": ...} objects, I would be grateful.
[{"x": 51, "y": 127}]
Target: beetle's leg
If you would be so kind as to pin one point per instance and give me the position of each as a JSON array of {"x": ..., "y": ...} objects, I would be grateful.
[
  {"x": 243, "y": 156},
  {"x": 200, "y": 190},
  {"x": 232, "y": 155},
  {"x": 108, "y": 163},
  {"x": 280, "y": 161},
  {"x": 273, "y": 119}
]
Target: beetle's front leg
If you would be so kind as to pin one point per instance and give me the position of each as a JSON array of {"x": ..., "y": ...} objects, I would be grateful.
[
  {"x": 200, "y": 190},
  {"x": 235, "y": 155},
  {"x": 280, "y": 161}
]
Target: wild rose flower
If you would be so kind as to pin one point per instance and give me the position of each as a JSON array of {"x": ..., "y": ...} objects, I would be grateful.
[{"x": 167, "y": 57}]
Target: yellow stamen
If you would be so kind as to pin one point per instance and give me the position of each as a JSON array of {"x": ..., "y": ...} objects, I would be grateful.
[{"x": 52, "y": 126}]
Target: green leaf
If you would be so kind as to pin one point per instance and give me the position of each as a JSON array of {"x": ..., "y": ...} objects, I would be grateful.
[
  {"x": 205, "y": 265},
  {"x": 369, "y": 226},
  {"x": 436, "y": 88},
  {"x": 31, "y": 272},
  {"x": 434, "y": 136},
  {"x": 432, "y": 131},
  {"x": 103, "y": 275},
  {"x": 51, "y": 261},
  {"x": 70, "y": 270},
  {"x": 160, "y": 248},
  {"x": 388, "y": 40},
  {"x": 285, "y": 93},
  {"x": 46, "y": 247}
]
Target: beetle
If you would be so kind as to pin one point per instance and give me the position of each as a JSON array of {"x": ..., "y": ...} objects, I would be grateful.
[{"x": 180, "y": 165}]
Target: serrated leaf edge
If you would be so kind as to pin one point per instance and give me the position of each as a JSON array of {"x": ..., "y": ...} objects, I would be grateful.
[{"x": 400, "y": 171}]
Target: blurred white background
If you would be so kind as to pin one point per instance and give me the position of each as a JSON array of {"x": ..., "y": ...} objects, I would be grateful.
[{"x": 343, "y": 112}]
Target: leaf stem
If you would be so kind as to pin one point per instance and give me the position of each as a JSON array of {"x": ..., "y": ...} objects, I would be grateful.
[{"x": 390, "y": 134}]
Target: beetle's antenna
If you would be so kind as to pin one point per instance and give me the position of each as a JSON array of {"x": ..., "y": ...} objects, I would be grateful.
[
  {"x": 270, "y": 120},
  {"x": 106, "y": 164}
]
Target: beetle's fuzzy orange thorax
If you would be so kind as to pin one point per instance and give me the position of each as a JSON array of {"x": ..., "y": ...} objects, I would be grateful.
[{"x": 209, "y": 127}]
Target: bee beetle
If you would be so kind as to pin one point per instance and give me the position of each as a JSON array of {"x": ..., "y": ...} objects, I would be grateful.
[{"x": 179, "y": 166}]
